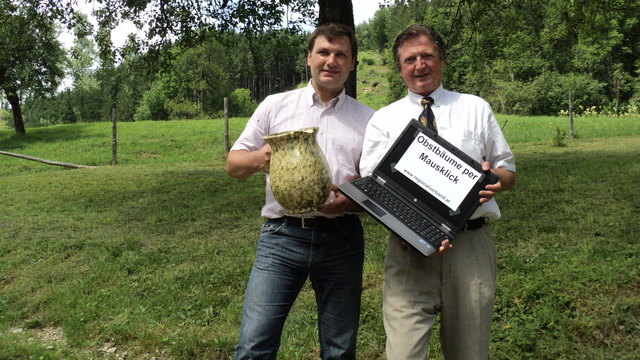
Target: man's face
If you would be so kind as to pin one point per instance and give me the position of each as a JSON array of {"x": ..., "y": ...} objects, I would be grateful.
[
  {"x": 420, "y": 65},
  {"x": 330, "y": 62}
]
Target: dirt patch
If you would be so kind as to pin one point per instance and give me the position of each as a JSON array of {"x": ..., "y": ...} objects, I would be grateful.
[{"x": 146, "y": 154}]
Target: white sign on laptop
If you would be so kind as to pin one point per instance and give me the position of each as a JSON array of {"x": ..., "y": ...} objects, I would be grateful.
[{"x": 425, "y": 159}]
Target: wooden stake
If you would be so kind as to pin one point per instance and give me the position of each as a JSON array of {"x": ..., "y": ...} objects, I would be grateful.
[
  {"x": 50, "y": 162},
  {"x": 114, "y": 140},
  {"x": 226, "y": 125},
  {"x": 571, "y": 134}
]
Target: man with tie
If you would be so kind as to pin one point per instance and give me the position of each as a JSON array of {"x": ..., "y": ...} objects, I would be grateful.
[{"x": 458, "y": 282}]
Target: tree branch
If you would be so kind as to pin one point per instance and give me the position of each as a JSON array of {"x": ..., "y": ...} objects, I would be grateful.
[{"x": 50, "y": 162}]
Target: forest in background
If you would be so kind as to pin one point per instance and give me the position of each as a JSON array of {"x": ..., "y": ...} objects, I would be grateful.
[{"x": 522, "y": 56}]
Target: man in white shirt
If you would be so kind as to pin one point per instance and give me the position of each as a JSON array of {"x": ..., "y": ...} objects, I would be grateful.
[
  {"x": 327, "y": 246},
  {"x": 459, "y": 281}
]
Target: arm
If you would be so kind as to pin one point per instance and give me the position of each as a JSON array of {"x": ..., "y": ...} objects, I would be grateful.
[{"x": 242, "y": 163}]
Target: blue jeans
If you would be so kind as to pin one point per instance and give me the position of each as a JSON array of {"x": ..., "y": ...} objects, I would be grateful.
[{"x": 332, "y": 259}]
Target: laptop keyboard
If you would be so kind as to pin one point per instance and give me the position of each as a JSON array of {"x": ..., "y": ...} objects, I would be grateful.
[{"x": 405, "y": 213}]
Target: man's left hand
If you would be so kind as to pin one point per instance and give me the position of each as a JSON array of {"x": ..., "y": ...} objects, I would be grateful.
[
  {"x": 506, "y": 182},
  {"x": 339, "y": 204}
]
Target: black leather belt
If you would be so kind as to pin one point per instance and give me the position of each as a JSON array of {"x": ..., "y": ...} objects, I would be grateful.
[
  {"x": 310, "y": 223},
  {"x": 474, "y": 224}
]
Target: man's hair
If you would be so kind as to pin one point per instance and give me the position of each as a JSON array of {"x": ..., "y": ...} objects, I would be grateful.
[
  {"x": 333, "y": 31},
  {"x": 415, "y": 31}
]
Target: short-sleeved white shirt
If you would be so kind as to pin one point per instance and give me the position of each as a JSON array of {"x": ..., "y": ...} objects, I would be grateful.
[
  {"x": 340, "y": 134},
  {"x": 464, "y": 120}
]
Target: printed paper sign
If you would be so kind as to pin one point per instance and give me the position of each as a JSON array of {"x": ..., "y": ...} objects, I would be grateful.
[{"x": 438, "y": 171}]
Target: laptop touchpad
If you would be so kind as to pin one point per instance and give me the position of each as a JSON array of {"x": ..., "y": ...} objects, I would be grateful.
[{"x": 375, "y": 208}]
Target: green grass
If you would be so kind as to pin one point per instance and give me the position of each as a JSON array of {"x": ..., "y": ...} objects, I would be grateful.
[
  {"x": 372, "y": 84},
  {"x": 152, "y": 255},
  {"x": 541, "y": 129}
]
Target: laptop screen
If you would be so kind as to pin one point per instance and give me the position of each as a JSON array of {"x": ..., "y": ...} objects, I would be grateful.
[
  {"x": 434, "y": 174},
  {"x": 436, "y": 170}
]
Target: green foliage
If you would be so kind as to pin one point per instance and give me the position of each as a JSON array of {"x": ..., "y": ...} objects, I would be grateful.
[
  {"x": 547, "y": 94},
  {"x": 5, "y": 118},
  {"x": 373, "y": 85},
  {"x": 183, "y": 110},
  {"x": 558, "y": 139},
  {"x": 539, "y": 50},
  {"x": 585, "y": 91},
  {"x": 197, "y": 76},
  {"x": 30, "y": 56},
  {"x": 241, "y": 103},
  {"x": 192, "y": 85},
  {"x": 153, "y": 104}
]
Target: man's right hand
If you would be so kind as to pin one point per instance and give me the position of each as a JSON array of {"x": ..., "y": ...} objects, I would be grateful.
[{"x": 444, "y": 246}]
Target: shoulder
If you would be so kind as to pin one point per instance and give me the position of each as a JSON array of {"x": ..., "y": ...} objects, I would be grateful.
[
  {"x": 283, "y": 101},
  {"x": 357, "y": 104},
  {"x": 454, "y": 97},
  {"x": 284, "y": 95},
  {"x": 393, "y": 108},
  {"x": 359, "y": 108}
]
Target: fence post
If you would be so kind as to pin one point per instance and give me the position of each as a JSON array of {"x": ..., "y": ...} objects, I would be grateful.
[
  {"x": 226, "y": 125},
  {"x": 114, "y": 141},
  {"x": 571, "y": 134}
]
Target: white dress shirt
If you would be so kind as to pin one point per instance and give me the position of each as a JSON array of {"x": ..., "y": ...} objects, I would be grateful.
[
  {"x": 340, "y": 134},
  {"x": 464, "y": 120}
]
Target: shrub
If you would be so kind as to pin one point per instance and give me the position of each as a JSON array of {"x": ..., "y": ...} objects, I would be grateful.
[
  {"x": 152, "y": 106},
  {"x": 6, "y": 119},
  {"x": 513, "y": 97},
  {"x": 586, "y": 92},
  {"x": 368, "y": 61},
  {"x": 241, "y": 103},
  {"x": 558, "y": 138},
  {"x": 547, "y": 94},
  {"x": 183, "y": 110},
  {"x": 397, "y": 88}
]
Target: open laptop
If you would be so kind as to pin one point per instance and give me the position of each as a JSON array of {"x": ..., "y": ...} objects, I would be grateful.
[{"x": 424, "y": 189}]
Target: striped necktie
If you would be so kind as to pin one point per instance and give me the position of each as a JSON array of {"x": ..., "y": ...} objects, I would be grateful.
[{"x": 427, "y": 117}]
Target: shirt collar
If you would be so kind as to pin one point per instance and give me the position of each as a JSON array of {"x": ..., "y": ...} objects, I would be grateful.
[
  {"x": 437, "y": 96},
  {"x": 312, "y": 97}
]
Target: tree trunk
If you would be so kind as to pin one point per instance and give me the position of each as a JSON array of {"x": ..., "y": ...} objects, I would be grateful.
[
  {"x": 18, "y": 122},
  {"x": 341, "y": 12},
  {"x": 258, "y": 70}
]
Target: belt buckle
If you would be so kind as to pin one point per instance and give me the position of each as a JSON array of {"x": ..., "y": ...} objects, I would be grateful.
[{"x": 303, "y": 223}]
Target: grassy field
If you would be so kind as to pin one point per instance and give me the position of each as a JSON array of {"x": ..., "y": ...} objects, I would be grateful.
[{"x": 149, "y": 258}]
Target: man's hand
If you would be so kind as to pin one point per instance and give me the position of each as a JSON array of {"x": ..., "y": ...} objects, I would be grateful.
[
  {"x": 444, "y": 246},
  {"x": 506, "y": 182},
  {"x": 241, "y": 163},
  {"x": 262, "y": 159},
  {"x": 339, "y": 204}
]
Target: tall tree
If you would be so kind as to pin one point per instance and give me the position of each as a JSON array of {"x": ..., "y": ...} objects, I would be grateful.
[
  {"x": 189, "y": 22},
  {"x": 81, "y": 63},
  {"x": 30, "y": 56}
]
